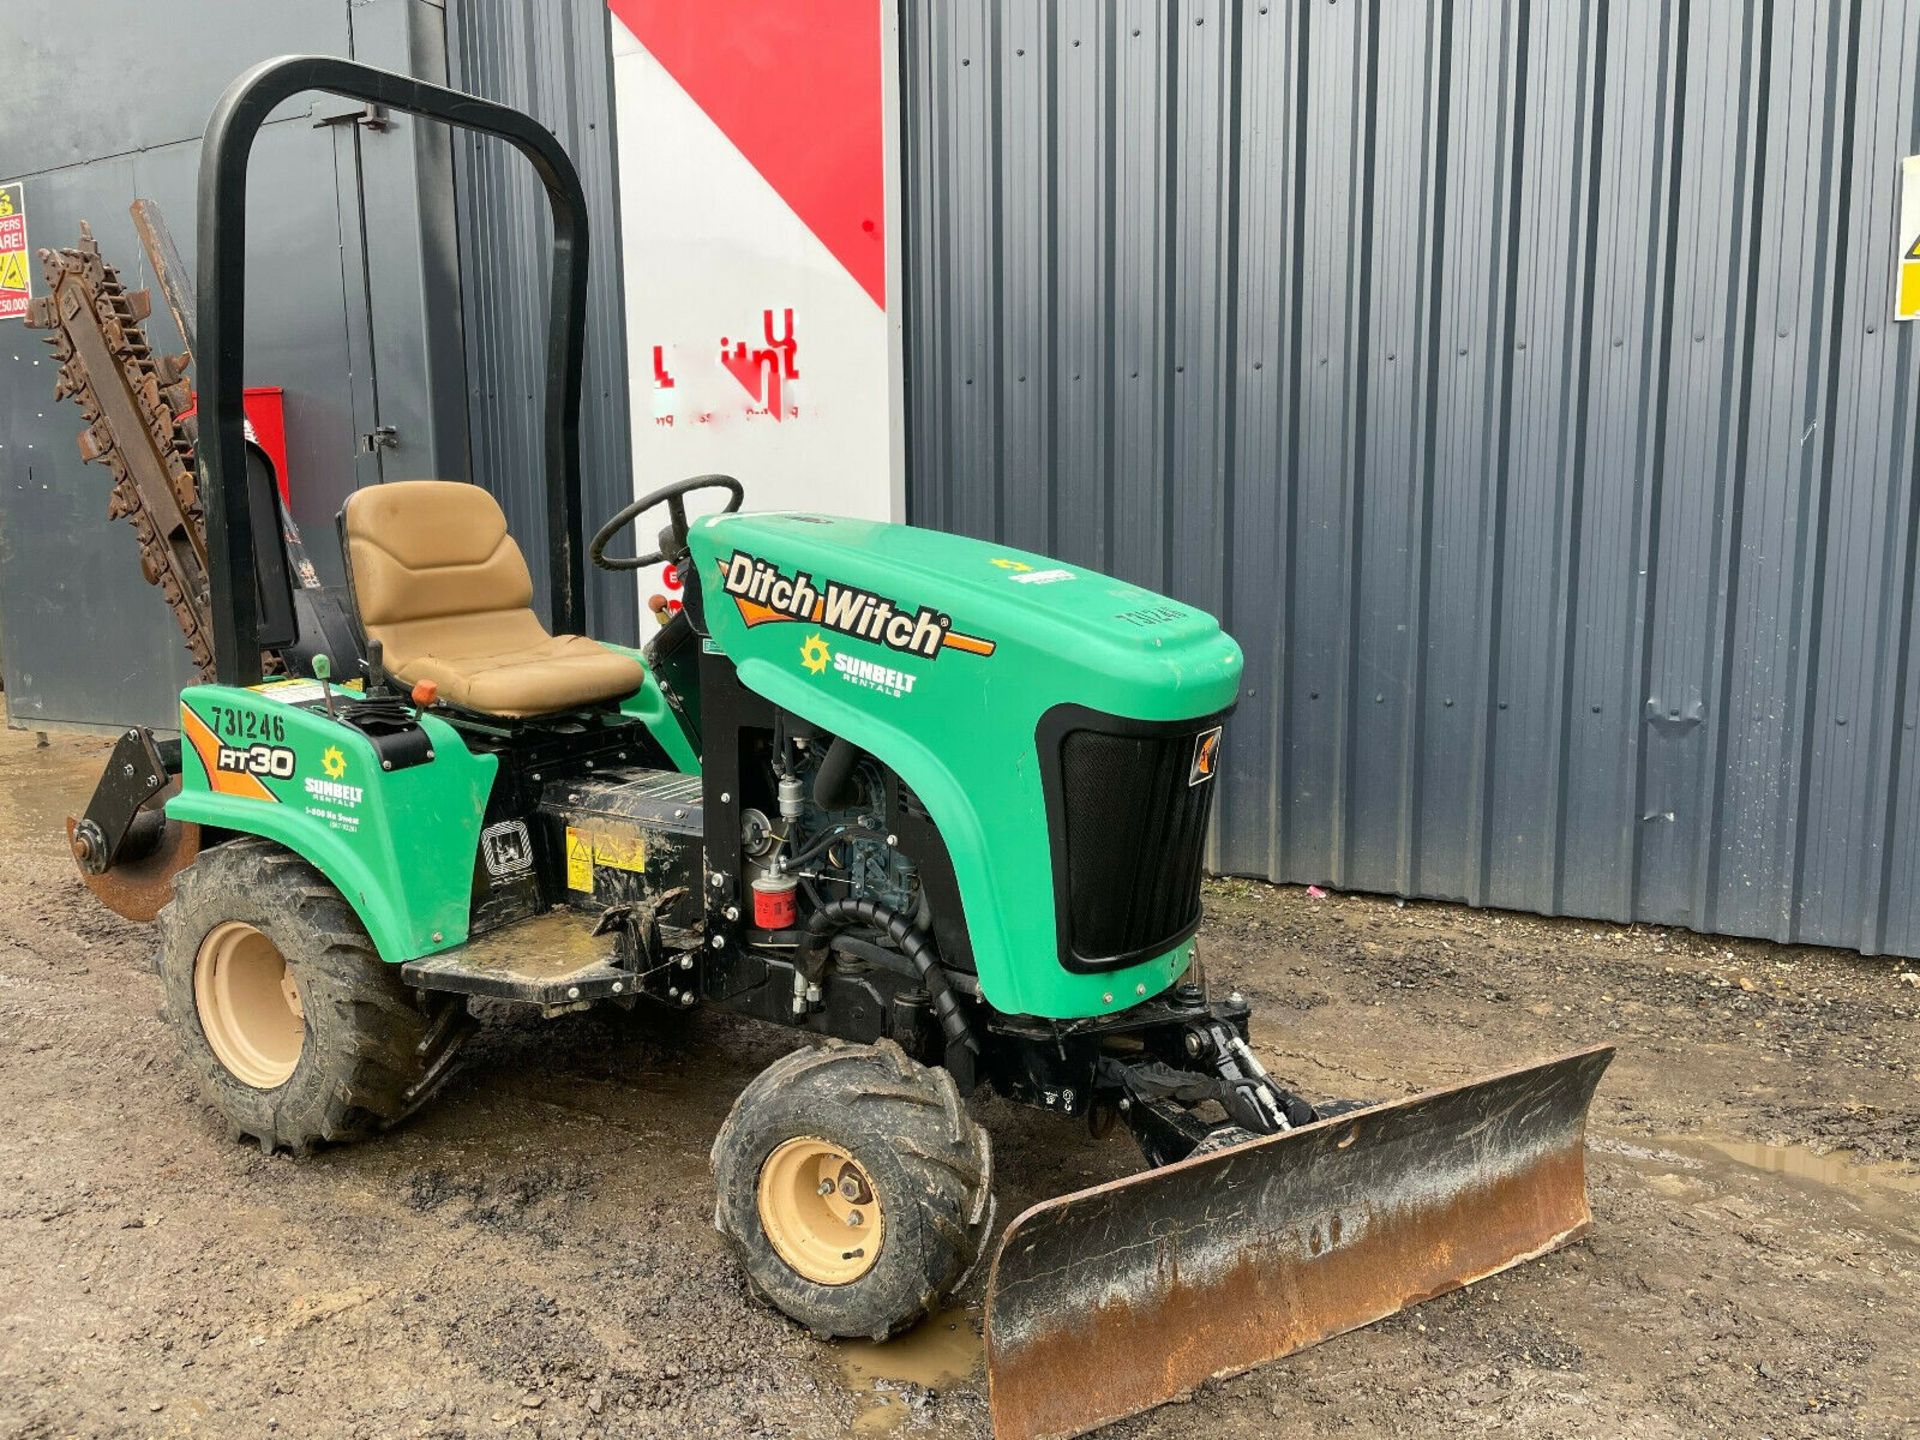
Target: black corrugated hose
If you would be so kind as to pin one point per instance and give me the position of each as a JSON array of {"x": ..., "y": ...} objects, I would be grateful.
[{"x": 914, "y": 943}]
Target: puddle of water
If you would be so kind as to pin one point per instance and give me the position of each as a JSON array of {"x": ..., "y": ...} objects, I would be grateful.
[
  {"x": 940, "y": 1351},
  {"x": 1797, "y": 1162},
  {"x": 1882, "y": 1191}
]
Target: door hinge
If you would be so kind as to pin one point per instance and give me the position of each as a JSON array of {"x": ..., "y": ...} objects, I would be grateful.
[
  {"x": 382, "y": 437},
  {"x": 368, "y": 117}
]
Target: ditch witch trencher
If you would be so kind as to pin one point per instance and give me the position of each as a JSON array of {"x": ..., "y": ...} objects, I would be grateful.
[{"x": 937, "y": 803}]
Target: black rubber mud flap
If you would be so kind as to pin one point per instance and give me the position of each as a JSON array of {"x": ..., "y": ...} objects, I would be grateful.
[{"x": 1109, "y": 1301}]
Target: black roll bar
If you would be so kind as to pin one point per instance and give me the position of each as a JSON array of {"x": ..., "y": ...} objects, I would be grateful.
[{"x": 236, "y": 602}]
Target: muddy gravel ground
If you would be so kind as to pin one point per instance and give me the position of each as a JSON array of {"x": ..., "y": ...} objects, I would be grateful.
[{"x": 533, "y": 1255}]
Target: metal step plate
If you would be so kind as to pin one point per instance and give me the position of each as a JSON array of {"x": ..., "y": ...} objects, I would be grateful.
[{"x": 552, "y": 960}]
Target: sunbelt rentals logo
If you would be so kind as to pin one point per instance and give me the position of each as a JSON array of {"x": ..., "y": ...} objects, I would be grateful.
[
  {"x": 817, "y": 656},
  {"x": 333, "y": 790}
]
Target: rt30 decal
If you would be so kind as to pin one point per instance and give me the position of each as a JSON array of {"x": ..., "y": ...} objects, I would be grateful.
[
  {"x": 276, "y": 761},
  {"x": 230, "y": 768}
]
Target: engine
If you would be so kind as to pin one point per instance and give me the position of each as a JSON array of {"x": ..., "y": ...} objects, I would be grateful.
[{"x": 824, "y": 837}]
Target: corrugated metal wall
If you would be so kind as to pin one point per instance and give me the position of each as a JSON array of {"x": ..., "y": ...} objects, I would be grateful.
[
  {"x": 553, "y": 60},
  {"x": 352, "y": 310},
  {"x": 1515, "y": 380}
]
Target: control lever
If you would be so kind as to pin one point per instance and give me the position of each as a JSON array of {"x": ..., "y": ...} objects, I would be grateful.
[
  {"x": 323, "y": 671},
  {"x": 376, "y": 666}
]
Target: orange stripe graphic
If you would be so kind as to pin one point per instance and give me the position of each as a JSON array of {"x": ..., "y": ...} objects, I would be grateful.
[
  {"x": 755, "y": 613},
  {"x": 973, "y": 645},
  {"x": 207, "y": 746}
]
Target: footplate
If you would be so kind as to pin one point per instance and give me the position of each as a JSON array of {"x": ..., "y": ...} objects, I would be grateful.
[
  {"x": 1112, "y": 1300},
  {"x": 553, "y": 960}
]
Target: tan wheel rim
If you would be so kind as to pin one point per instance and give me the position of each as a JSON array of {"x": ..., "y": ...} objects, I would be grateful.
[
  {"x": 249, "y": 1005},
  {"x": 819, "y": 1207}
]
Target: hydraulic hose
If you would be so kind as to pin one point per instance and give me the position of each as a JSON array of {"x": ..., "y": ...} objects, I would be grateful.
[
  {"x": 914, "y": 943},
  {"x": 831, "y": 787}
]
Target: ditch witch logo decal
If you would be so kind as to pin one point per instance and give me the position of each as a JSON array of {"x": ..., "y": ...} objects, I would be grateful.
[
  {"x": 765, "y": 595},
  {"x": 1206, "y": 755}
]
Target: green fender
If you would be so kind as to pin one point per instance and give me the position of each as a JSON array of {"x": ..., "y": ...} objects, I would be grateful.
[
  {"x": 949, "y": 692},
  {"x": 400, "y": 846},
  {"x": 648, "y": 705}
]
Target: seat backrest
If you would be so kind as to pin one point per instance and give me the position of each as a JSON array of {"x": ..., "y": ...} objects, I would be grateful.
[{"x": 434, "y": 571}]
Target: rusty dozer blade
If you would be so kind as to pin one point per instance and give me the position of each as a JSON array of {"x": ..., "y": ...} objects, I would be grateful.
[
  {"x": 136, "y": 888},
  {"x": 1112, "y": 1300}
]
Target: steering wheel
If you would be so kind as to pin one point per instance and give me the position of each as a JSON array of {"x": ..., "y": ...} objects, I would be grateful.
[{"x": 673, "y": 539}]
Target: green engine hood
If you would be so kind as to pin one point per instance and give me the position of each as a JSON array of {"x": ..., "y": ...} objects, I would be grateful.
[{"x": 938, "y": 655}]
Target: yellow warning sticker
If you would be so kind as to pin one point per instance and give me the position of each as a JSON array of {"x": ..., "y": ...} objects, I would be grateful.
[
  {"x": 587, "y": 848},
  {"x": 579, "y": 861},
  {"x": 1906, "y": 289},
  {"x": 16, "y": 276},
  {"x": 622, "y": 852}
]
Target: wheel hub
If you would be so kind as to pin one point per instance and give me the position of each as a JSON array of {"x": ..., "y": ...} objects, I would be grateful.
[
  {"x": 248, "y": 1004},
  {"x": 820, "y": 1211}
]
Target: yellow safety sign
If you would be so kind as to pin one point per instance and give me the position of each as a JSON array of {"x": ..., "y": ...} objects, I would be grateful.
[
  {"x": 1906, "y": 288},
  {"x": 16, "y": 275},
  {"x": 586, "y": 849}
]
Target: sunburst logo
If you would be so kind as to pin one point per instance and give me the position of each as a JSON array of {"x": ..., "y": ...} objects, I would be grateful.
[
  {"x": 333, "y": 762},
  {"x": 814, "y": 653}
]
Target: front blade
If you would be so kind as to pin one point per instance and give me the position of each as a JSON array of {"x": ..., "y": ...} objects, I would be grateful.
[{"x": 1108, "y": 1301}]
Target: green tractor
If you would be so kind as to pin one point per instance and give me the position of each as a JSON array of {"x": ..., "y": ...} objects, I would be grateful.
[{"x": 935, "y": 805}]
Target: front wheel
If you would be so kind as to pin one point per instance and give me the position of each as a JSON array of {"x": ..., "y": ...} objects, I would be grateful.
[
  {"x": 295, "y": 1029},
  {"x": 854, "y": 1186}
]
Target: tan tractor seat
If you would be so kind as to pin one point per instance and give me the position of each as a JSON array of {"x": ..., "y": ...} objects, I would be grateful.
[{"x": 442, "y": 586}]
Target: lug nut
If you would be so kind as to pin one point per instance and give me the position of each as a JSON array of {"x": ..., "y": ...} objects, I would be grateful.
[
  {"x": 826, "y": 1188},
  {"x": 854, "y": 1217}
]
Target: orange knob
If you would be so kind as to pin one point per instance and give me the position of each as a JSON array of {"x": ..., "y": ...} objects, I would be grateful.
[{"x": 425, "y": 693}]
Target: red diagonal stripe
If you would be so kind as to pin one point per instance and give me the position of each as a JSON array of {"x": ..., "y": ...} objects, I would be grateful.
[{"x": 796, "y": 88}]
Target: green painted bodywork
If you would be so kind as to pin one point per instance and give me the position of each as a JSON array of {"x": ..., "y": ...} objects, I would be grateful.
[
  {"x": 1023, "y": 634},
  {"x": 962, "y": 734},
  {"x": 402, "y": 850},
  {"x": 651, "y": 706},
  {"x": 399, "y": 845}
]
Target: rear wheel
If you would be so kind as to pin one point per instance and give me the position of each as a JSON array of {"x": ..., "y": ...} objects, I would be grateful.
[
  {"x": 294, "y": 1028},
  {"x": 854, "y": 1187}
]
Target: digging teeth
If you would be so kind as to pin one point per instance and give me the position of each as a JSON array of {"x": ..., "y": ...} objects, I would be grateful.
[{"x": 153, "y": 485}]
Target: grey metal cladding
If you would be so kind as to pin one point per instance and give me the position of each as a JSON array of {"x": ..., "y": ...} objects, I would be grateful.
[
  {"x": 552, "y": 59},
  {"x": 1515, "y": 380}
]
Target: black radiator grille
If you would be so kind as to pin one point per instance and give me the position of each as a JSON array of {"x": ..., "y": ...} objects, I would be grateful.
[{"x": 1130, "y": 818}]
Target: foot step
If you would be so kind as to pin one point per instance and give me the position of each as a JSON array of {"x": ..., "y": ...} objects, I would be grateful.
[{"x": 553, "y": 960}]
